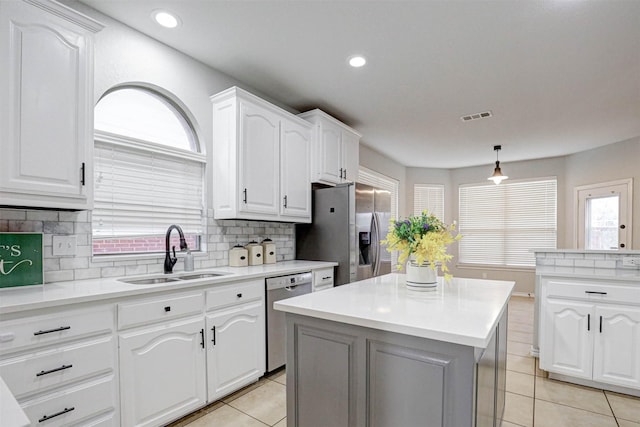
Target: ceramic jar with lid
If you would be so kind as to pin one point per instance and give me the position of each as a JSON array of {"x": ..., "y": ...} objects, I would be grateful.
[
  {"x": 238, "y": 256},
  {"x": 269, "y": 251},
  {"x": 255, "y": 253}
]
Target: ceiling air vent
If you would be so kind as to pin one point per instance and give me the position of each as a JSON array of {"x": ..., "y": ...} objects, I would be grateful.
[{"x": 476, "y": 116}]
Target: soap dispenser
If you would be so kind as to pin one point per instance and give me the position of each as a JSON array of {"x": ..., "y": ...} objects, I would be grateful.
[{"x": 188, "y": 261}]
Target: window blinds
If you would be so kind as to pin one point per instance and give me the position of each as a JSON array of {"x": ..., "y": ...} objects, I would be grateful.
[
  {"x": 140, "y": 192},
  {"x": 429, "y": 197},
  {"x": 502, "y": 223}
]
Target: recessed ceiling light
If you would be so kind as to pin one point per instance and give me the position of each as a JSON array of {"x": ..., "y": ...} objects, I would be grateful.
[
  {"x": 165, "y": 18},
  {"x": 357, "y": 61}
]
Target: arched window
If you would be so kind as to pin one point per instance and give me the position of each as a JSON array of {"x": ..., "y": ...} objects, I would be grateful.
[{"x": 149, "y": 173}]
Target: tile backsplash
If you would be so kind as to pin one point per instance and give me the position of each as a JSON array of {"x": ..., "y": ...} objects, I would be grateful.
[
  {"x": 582, "y": 259},
  {"x": 220, "y": 237}
]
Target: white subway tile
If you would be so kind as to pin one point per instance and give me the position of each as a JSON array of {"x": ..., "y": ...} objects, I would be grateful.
[
  {"x": 58, "y": 276},
  {"x": 74, "y": 263},
  {"x": 605, "y": 264},
  {"x": 155, "y": 268},
  {"x": 135, "y": 269},
  {"x": 17, "y": 214},
  {"x": 112, "y": 271},
  {"x": 51, "y": 264},
  {"x": 584, "y": 263},
  {"x": 43, "y": 216},
  {"x": 564, "y": 262},
  {"x": 86, "y": 273},
  {"x": 572, "y": 255}
]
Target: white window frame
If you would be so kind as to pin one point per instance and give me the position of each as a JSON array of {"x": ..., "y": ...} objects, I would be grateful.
[
  {"x": 500, "y": 237},
  {"x": 192, "y": 220}
]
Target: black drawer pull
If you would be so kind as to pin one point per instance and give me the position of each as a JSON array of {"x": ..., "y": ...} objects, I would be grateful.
[
  {"x": 326, "y": 278},
  {"x": 213, "y": 340},
  {"x": 595, "y": 292},
  {"x": 51, "y": 371},
  {"x": 48, "y": 417},
  {"x": 167, "y": 308},
  {"x": 202, "y": 336},
  {"x": 588, "y": 322},
  {"x": 239, "y": 295},
  {"x": 61, "y": 328}
]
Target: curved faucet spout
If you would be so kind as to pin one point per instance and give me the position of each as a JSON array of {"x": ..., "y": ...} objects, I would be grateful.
[{"x": 170, "y": 261}]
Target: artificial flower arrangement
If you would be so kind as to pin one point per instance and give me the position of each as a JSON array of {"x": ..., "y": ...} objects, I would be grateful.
[{"x": 424, "y": 236}]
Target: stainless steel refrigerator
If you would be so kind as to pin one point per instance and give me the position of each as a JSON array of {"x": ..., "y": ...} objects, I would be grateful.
[{"x": 347, "y": 225}]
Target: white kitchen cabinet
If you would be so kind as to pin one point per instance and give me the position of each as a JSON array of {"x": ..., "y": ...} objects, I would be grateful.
[
  {"x": 335, "y": 151},
  {"x": 46, "y": 105},
  {"x": 236, "y": 337},
  {"x": 162, "y": 365},
  {"x": 62, "y": 366},
  {"x": 295, "y": 175},
  {"x": 617, "y": 347},
  {"x": 261, "y": 157},
  {"x": 162, "y": 372},
  {"x": 322, "y": 279},
  {"x": 591, "y": 331}
]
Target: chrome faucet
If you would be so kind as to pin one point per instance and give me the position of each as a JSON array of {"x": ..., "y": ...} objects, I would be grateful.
[{"x": 169, "y": 261}]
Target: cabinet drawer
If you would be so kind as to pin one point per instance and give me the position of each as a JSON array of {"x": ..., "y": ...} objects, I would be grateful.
[
  {"x": 73, "y": 405},
  {"x": 59, "y": 366},
  {"x": 322, "y": 279},
  {"x": 592, "y": 291},
  {"x": 54, "y": 328},
  {"x": 153, "y": 310},
  {"x": 239, "y": 293}
]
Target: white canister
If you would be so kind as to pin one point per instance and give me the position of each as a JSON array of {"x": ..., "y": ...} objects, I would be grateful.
[
  {"x": 269, "y": 251},
  {"x": 255, "y": 253},
  {"x": 238, "y": 257}
]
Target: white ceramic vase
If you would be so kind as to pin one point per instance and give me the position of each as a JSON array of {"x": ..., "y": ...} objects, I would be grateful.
[{"x": 420, "y": 277}]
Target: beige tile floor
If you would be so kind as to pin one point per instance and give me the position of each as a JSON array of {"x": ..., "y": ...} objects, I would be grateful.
[{"x": 531, "y": 401}]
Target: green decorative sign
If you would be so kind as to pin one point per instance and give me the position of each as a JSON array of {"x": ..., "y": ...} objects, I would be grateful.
[{"x": 21, "y": 259}]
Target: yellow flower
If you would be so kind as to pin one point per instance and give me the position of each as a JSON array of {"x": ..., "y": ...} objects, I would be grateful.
[{"x": 424, "y": 236}]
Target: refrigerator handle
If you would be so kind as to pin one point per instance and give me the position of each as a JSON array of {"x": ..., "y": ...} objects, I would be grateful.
[{"x": 375, "y": 244}]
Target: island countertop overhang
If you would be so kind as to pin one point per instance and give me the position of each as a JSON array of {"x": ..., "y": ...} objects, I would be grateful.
[{"x": 462, "y": 311}]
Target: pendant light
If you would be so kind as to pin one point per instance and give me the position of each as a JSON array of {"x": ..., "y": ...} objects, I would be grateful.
[{"x": 497, "y": 176}]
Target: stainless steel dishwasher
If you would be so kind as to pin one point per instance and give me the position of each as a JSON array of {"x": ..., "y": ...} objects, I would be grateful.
[{"x": 279, "y": 288}]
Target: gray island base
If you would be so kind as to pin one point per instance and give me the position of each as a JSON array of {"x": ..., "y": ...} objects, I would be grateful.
[{"x": 374, "y": 354}]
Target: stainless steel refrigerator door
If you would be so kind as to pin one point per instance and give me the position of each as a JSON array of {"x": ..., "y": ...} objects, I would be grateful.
[
  {"x": 382, "y": 215},
  {"x": 332, "y": 235},
  {"x": 364, "y": 228}
]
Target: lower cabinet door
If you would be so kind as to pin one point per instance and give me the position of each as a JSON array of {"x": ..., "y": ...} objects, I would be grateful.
[
  {"x": 162, "y": 372},
  {"x": 567, "y": 338},
  {"x": 236, "y": 348},
  {"x": 617, "y": 346}
]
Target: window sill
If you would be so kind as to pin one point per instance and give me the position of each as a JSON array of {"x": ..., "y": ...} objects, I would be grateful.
[{"x": 140, "y": 257}]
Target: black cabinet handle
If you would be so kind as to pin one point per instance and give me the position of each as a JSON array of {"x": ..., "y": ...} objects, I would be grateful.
[
  {"x": 327, "y": 277},
  {"x": 82, "y": 169},
  {"x": 285, "y": 201},
  {"x": 48, "y": 417},
  {"x": 202, "y": 336},
  {"x": 588, "y": 322},
  {"x": 167, "y": 308},
  {"x": 345, "y": 174},
  {"x": 48, "y": 331},
  {"x": 244, "y": 195},
  {"x": 340, "y": 172},
  {"x": 595, "y": 292},
  {"x": 239, "y": 295},
  {"x": 61, "y": 368},
  {"x": 600, "y": 324},
  {"x": 213, "y": 340}
]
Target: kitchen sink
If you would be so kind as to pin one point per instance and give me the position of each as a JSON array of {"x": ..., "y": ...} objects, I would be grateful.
[
  {"x": 152, "y": 281},
  {"x": 169, "y": 279},
  {"x": 201, "y": 276}
]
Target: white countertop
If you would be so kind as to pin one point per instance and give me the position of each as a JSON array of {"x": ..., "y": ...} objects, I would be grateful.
[
  {"x": 11, "y": 414},
  {"x": 61, "y": 293},
  {"x": 463, "y": 311},
  {"x": 631, "y": 274}
]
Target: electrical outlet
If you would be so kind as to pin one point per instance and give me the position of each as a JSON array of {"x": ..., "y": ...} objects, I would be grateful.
[
  {"x": 631, "y": 261},
  {"x": 64, "y": 245}
]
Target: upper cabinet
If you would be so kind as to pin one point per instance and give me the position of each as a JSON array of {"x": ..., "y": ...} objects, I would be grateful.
[
  {"x": 46, "y": 105},
  {"x": 261, "y": 157},
  {"x": 335, "y": 151}
]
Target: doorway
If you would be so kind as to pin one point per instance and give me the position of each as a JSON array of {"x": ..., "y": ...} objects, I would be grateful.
[{"x": 604, "y": 215}]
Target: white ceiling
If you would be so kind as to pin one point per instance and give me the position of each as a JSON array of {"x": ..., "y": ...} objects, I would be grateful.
[{"x": 559, "y": 76}]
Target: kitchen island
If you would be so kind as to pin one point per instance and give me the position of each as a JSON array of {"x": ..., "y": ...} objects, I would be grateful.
[{"x": 373, "y": 353}]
